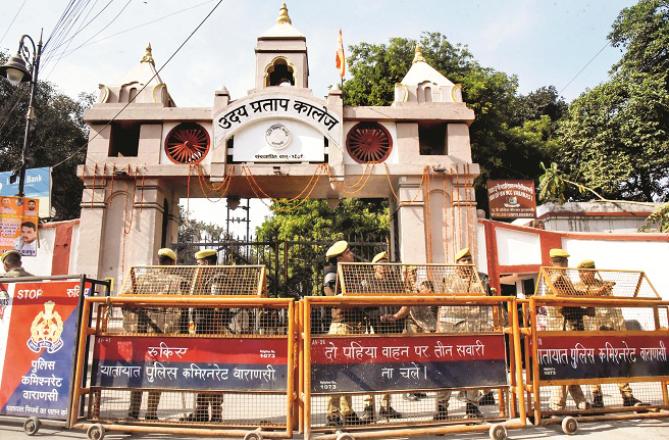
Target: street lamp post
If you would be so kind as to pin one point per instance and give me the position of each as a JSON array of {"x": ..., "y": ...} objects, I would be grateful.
[{"x": 24, "y": 67}]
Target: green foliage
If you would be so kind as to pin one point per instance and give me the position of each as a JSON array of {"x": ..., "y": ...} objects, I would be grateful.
[
  {"x": 58, "y": 131},
  {"x": 658, "y": 220},
  {"x": 313, "y": 220},
  {"x": 511, "y": 134},
  {"x": 615, "y": 137},
  {"x": 306, "y": 229},
  {"x": 641, "y": 32}
]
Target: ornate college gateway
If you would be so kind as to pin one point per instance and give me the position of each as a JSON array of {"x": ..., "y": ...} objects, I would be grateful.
[{"x": 280, "y": 140}]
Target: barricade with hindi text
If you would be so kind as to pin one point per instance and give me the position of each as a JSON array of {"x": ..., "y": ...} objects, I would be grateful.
[{"x": 596, "y": 347}]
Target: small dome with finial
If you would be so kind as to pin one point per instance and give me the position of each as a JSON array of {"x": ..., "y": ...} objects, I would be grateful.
[
  {"x": 284, "y": 26},
  {"x": 421, "y": 71}
]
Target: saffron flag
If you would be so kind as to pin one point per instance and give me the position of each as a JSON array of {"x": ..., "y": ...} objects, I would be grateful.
[{"x": 341, "y": 58}]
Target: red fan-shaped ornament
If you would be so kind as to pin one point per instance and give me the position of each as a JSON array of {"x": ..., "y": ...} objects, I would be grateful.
[
  {"x": 187, "y": 143},
  {"x": 369, "y": 142}
]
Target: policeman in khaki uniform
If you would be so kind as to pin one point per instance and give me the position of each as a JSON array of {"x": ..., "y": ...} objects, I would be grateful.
[
  {"x": 606, "y": 318},
  {"x": 11, "y": 260},
  {"x": 462, "y": 319},
  {"x": 385, "y": 280},
  {"x": 571, "y": 321},
  {"x": 345, "y": 321},
  {"x": 154, "y": 320},
  {"x": 207, "y": 320}
]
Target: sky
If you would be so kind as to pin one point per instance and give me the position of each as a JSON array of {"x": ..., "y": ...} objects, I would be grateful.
[{"x": 543, "y": 42}]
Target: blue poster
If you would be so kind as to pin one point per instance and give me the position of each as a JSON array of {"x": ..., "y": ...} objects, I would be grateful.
[{"x": 37, "y": 185}]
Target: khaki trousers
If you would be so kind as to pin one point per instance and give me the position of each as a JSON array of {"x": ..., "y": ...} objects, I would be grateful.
[
  {"x": 558, "y": 400},
  {"x": 443, "y": 397},
  {"x": 136, "y": 403},
  {"x": 340, "y": 404},
  {"x": 625, "y": 390}
]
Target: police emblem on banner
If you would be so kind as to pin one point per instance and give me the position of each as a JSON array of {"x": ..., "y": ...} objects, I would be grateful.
[{"x": 46, "y": 329}]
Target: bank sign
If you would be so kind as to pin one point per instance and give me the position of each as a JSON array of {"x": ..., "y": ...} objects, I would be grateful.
[
  {"x": 37, "y": 186},
  {"x": 512, "y": 199},
  {"x": 277, "y": 128}
]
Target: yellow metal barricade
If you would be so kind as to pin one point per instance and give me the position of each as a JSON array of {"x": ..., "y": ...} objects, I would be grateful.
[
  {"x": 366, "y": 375},
  {"x": 596, "y": 347},
  {"x": 214, "y": 365},
  {"x": 402, "y": 279}
]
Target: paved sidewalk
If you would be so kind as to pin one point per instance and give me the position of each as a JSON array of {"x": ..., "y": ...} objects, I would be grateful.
[{"x": 623, "y": 430}]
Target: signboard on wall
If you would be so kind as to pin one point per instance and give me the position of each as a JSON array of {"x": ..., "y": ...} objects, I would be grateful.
[
  {"x": 512, "y": 199},
  {"x": 18, "y": 225},
  {"x": 38, "y": 333},
  {"x": 37, "y": 186}
]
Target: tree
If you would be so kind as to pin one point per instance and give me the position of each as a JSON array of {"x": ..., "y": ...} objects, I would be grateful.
[
  {"x": 615, "y": 137},
  {"x": 511, "y": 134},
  {"x": 58, "y": 132},
  {"x": 314, "y": 220},
  {"x": 312, "y": 227},
  {"x": 553, "y": 185}
]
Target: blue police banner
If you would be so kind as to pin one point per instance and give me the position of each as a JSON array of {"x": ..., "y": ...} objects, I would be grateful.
[
  {"x": 37, "y": 186},
  {"x": 239, "y": 364},
  {"x": 591, "y": 357},
  {"x": 369, "y": 363},
  {"x": 38, "y": 332}
]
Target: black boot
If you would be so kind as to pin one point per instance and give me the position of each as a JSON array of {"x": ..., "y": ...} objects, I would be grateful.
[
  {"x": 441, "y": 413},
  {"x": 389, "y": 413},
  {"x": 487, "y": 399},
  {"x": 368, "y": 415},
  {"x": 473, "y": 412},
  {"x": 597, "y": 401},
  {"x": 334, "y": 420},
  {"x": 353, "y": 419}
]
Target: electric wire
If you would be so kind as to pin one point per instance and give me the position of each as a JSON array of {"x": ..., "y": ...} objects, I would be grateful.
[
  {"x": 174, "y": 53},
  {"x": 147, "y": 23},
  {"x": 584, "y": 67},
  {"x": 70, "y": 39},
  {"x": 81, "y": 29},
  {"x": 125, "y": 6},
  {"x": 11, "y": 23}
]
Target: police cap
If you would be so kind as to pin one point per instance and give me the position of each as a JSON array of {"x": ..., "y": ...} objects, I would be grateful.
[
  {"x": 558, "y": 253},
  {"x": 205, "y": 253},
  {"x": 167, "y": 252},
  {"x": 462, "y": 253},
  {"x": 336, "y": 249},
  {"x": 586, "y": 264},
  {"x": 380, "y": 256}
]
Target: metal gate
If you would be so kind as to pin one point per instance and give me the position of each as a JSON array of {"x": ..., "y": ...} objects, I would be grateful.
[{"x": 294, "y": 267}]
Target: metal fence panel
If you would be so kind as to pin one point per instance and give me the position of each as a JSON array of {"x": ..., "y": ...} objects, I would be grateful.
[
  {"x": 165, "y": 363},
  {"x": 380, "y": 370}
]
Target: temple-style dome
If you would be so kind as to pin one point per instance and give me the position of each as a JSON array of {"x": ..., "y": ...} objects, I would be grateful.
[
  {"x": 284, "y": 26},
  {"x": 423, "y": 83},
  {"x": 128, "y": 87}
]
